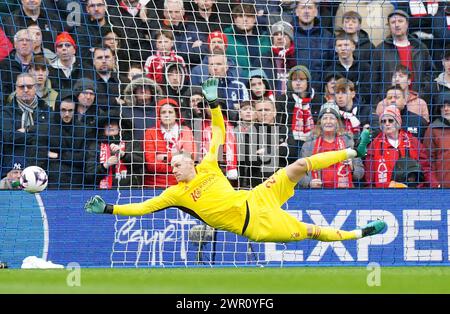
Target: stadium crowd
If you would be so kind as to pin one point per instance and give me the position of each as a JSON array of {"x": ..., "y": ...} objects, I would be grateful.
[{"x": 102, "y": 93}]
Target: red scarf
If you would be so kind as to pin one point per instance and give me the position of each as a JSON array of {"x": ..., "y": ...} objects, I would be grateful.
[
  {"x": 342, "y": 171},
  {"x": 120, "y": 170},
  {"x": 302, "y": 121}
]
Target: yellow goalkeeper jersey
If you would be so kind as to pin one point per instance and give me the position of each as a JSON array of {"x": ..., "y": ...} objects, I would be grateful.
[{"x": 208, "y": 197}]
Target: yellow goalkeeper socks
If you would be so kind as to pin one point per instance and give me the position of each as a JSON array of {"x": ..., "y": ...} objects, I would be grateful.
[
  {"x": 330, "y": 234},
  {"x": 324, "y": 160}
]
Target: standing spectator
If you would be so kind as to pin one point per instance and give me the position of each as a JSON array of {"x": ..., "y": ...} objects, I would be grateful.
[
  {"x": 283, "y": 50},
  {"x": 348, "y": 106},
  {"x": 217, "y": 44},
  {"x": 437, "y": 143},
  {"x": 32, "y": 12},
  {"x": 44, "y": 90},
  {"x": 392, "y": 143},
  {"x": 67, "y": 67},
  {"x": 12, "y": 179},
  {"x": 111, "y": 161},
  {"x": 313, "y": 44},
  {"x": 38, "y": 49},
  {"x": 174, "y": 81},
  {"x": 141, "y": 96},
  {"x": 329, "y": 135},
  {"x": 165, "y": 52},
  {"x": 17, "y": 62},
  {"x": 441, "y": 34},
  {"x": 25, "y": 125},
  {"x": 351, "y": 26},
  {"x": 258, "y": 85},
  {"x": 168, "y": 138},
  {"x": 400, "y": 48},
  {"x": 107, "y": 81},
  {"x": 248, "y": 44},
  {"x": 66, "y": 147}
]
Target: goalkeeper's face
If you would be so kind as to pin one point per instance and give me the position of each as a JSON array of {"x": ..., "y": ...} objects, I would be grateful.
[{"x": 183, "y": 168}]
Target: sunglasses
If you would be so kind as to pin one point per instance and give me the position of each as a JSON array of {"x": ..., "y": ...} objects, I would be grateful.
[
  {"x": 29, "y": 86},
  {"x": 384, "y": 121}
]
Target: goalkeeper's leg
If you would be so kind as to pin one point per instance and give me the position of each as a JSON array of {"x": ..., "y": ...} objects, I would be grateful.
[{"x": 327, "y": 234}]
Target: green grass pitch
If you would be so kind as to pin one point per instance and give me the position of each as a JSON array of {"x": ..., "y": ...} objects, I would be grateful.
[{"x": 289, "y": 280}]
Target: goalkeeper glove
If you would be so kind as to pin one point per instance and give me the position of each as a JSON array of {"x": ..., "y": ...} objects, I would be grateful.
[
  {"x": 364, "y": 141},
  {"x": 97, "y": 205},
  {"x": 210, "y": 91}
]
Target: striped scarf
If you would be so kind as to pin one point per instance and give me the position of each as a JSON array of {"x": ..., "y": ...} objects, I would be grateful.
[{"x": 27, "y": 112}]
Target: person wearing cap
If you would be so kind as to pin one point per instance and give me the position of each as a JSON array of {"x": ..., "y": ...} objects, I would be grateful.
[
  {"x": 204, "y": 192},
  {"x": 401, "y": 48},
  {"x": 12, "y": 179},
  {"x": 217, "y": 43},
  {"x": 313, "y": 44},
  {"x": 247, "y": 43},
  {"x": 436, "y": 142},
  {"x": 168, "y": 138},
  {"x": 330, "y": 134},
  {"x": 388, "y": 146},
  {"x": 283, "y": 50},
  {"x": 67, "y": 67}
]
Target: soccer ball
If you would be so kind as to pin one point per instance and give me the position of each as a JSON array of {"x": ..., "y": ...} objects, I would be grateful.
[{"x": 33, "y": 179}]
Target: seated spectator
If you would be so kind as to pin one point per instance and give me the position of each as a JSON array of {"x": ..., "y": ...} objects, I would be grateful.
[
  {"x": 17, "y": 62},
  {"x": 12, "y": 179},
  {"x": 415, "y": 104},
  {"x": 412, "y": 122},
  {"x": 351, "y": 26},
  {"x": 66, "y": 147},
  {"x": 217, "y": 44},
  {"x": 67, "y": 67},
  {"x": 113, "y": 38},
  {"x": 348, "y": 106},
  {"x": 283, "y": 50},
  {"x": 388, "y": 146},
  {"x": 244, "y": 130},
  {"x": 175, "y": 80},
  {"x": 38, "y": 48},
  {"x": 111, "y": 162},
  {"x": 5, "y": 45},
  {"x": 244, "y": 33},
  {"x": 165, "y": 52},
  {"x": 326, "y": 94},
  {"x": 437, "y": 143},
  {"x": 25, "y": 125},
  {"x": 44, "y": 90},
  {"x": 294, "y": 108},
  {"x": 165, "y": 140},
  {"x": 330, "y": 134},
  {"x": 259, "y": 86}
]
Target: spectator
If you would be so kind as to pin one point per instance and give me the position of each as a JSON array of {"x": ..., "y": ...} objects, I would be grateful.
[
  {"x": 25, "y": 125},
  {"x": 192, "y": 106},
  {"x": 294, "y": 109},
  {"x": 413, "y": 123},
  {"x": 66, "y": 148},
  {"x": 372, "y": 12},
  {"x": 441, "y": 83},
  {"x": 165, "y": 52},
  {"x": 174, "y": 81},
  {"x": 388, "y": 146},
  {"x": 67, "y": 67},
  {"x": 351, "y": 26},
  {"x": 247, "y": 44},
  {"x": 437, "y": 143},
  {"x": 38, "y": 49},
  {"x": 168, "y": 138},
  {"x": 258, "y": 85},
  {"x": 113, "y": 39},
  {"x": 402, "y": 78},
  {"x": 12, "y": 179},
  {"x": 5, "y": 45},
  {"x": 17, "y": 62},
  {"x": 283, "y": 50},
  {"x": 329, "y": 135},
  {"x": 327, "y": 93},
  {"x": 187, "y": 44},
  {"x": 348, "y": 106},
  {"x": 44, "y": 90},
  {"x": 217, "y": 44},
  {"x": 107, "y": 81},
  {"x": 141, "y": 96},
  {"x": 313, "y": 44},
  {"x": 441, "y": 34},
  {"x": 352, "y": 69},
  {"x": 32, "y": 12},
  {"x": 274, "y": 143},
  {"x": 245, "y": 132},
  {"x": 400, "y": 48}
]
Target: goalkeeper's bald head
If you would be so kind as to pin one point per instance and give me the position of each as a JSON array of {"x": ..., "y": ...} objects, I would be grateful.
[{"x": 183, "y": 167}]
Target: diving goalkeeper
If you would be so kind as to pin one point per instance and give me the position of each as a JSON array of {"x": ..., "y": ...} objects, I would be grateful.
[{"x": 205, "y": 193}]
